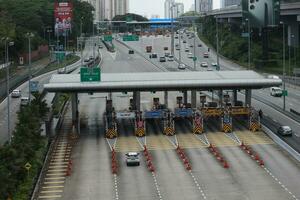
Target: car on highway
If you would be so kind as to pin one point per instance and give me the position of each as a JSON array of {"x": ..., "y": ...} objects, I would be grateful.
[
  {"x": 16, "y": 94},
  {"x": 285, "y": 131},
  {"x": 204, "y": 64},
  {"x": 191, "y": 45},
  {"x": 130, "y": 51},
  {"x": 214, "y": 64},
  {"x": 176, "y": 37},
  {"x": 153, "y": 55},
  {"x": 24, "y": 101},
  {"x": 199, "y": 45},
  {"x": 184, "y": 41},
  {"x": 187, "y": 49},
  {"x": 276, "y": 91},
  {"x": 177, "y": 48},
  {"x": 132, "y": 159},
  {"x": 100, "y": 46},
  {"x": 190, "y": 55},
  {"x": 167, "y": 54},
  {"x": 86, "y": 60},
  {"x": 181, "y": 66},
  {"x": 205, "y": 55},
  {"x": 166, "y": 48},
  {"x": 170, "y": 58},
  {"x": 162, "y": 59}
]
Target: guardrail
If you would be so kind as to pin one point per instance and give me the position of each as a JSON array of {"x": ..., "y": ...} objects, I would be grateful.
[{"x": 281, "y": 143}]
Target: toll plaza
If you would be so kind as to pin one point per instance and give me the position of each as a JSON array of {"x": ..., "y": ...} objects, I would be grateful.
[{"x": 223, "y": 111}]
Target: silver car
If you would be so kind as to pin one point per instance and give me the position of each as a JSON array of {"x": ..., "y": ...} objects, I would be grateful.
[
  {"x": 132, "y": 158},
  {"x": 16, "y": 93},
  {"x": 285, "y": 131}
]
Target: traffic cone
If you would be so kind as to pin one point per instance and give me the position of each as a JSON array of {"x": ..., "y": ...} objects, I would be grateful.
[
  {"x": 185, "y": 161},
  {"x": 257, "y": 157},
  {"x": 225, "y": 164},
  {"x": 188, "y": 167},
  {"x": 151, "y": 168},
  {"x": 261, "y": 162}
]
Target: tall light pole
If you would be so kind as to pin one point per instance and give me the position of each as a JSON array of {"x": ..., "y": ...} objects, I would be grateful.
[
  {"x": 29, "y": 35},
  {"x": 290, "y": 43},
  {"x": 283, "y": 62},
  {"x": 81, "y": 41},
  {"x": 172, "y": 28},
  {"x": 179, "y": 37},
  {"x": 217, "y": 37},
  {"x": 194, "y": 27},
  {"x": 49, "y": 31},
  {"x": 249, "y": 43},
  {"x": 7, "y": 45}
]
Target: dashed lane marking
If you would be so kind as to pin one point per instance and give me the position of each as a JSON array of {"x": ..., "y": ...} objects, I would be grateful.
[
  {"x": 50, "y": 197},
  {"x": 156, "y": 186},
  {"x": 54, "y": 182},
  {"x": 116, "y": 187},
  {"x": 54, "y": 186},
  {"x": 198, "y": 185},
  {"x": 52, "y": 191},
  {"x": 280, "y": 183}
]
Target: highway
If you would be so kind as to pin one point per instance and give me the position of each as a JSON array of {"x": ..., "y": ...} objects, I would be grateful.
[
  {"x": 261, "y": 97},
  {"x": 92, "y": 177},
  {"x": 15, "y": 102}
]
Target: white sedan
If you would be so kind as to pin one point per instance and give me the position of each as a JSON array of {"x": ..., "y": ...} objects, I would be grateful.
[
  {"x": 16, "y": 93},
  {"x": 204, "y": 64}
]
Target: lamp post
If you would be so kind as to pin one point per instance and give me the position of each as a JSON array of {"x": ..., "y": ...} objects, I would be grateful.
[
  {"x": 81, "y": 41},
  {"x": 49, "y": 31},
  {"x": 249, "y": 43},
  {"x": 217, "y": 36},
  {"x": 194, "y": 27},
  {"x": 29, "y": 36},
  {"x": 7, "y": 45},
  {"x": 172, "y": 28},
  {"x": 283, "y": 62},
  {"x": 290, "y": 43}
]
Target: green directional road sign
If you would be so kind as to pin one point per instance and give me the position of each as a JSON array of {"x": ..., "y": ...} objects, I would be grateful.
[
  {"x": 60, "y": 55},
  {"x": 130, "y": 38},
  {"x": 107, "y": 38},
  {"x": 194, "y": 58},
  {"x": 245, "y": 35},
  {"x": 284, "y": 93},
  {"x": 90, "y": 74}
]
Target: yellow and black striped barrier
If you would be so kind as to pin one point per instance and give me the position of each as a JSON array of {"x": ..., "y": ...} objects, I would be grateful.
[
  {"x": 197, "y": 130},
  {"x": 169, "y": 131},
  {"x": 227, "y": 128},
  {"x": 140, "y": 132},
  {"x": 254, "y": 126},
  {"x": 111, "y": 133}
]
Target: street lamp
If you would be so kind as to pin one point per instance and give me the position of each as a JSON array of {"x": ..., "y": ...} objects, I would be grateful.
[
  {"x": 29, "y": 36},
  {"x": 290, "y": 43},
  {"x": 283, "y": 62},
  {"x": 172, "y": 28},
  {"x": 217, "y": 36},
  {"x": 249, "y": 43},
  {"x": 81, "y": 41},
  {"x": 194, "y": 27},
  {"x": 7, "y": 45}
]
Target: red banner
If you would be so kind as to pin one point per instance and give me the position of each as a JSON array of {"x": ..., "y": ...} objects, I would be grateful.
[{"x": 63, "y": 13}]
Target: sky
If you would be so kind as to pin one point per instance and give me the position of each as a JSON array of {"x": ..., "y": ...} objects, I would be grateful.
[{"x": 156, "y": 7}]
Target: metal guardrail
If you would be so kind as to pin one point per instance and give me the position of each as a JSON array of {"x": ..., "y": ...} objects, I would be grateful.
[{"x": 281, "y": 143}]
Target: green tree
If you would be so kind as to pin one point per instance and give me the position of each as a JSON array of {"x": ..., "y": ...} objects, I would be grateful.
[{"x": 130, "y": 17}]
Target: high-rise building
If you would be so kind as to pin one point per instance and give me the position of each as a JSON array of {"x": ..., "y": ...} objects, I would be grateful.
[
  {"x": 168, "y": 4},
  {"x": 231, "y": 3},
  {"x": 107, "y": 9},
  {"x": 178, "y": 10},
  {"x": 203, "y": 6}
]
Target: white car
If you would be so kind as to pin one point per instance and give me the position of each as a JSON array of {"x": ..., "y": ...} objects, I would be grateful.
[
  {"x": 204, "y": 64},
  {"x": 132, "y": 158},
  {"x": 190, "y": 55},
  {"x": 187, "y": 49},
  {"x": 276, "y": 91},
  {"x": 181, "y": 66},
  {"x": 16, "y": 93},
  {"x": 214, "y": 64},
  {"x": 24, "y": 101}
]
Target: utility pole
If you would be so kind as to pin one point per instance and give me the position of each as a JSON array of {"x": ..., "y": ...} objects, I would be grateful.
[
  {"x": 172, "y": 29},
  {"x": 29, "y": 35},
  {"x": 81, "y": 42},
  {"x": 217, "y": 29},
  {"x": 283, "y": 62},
  {"x": 179, "y": 37},
  {"x": 249, "y": 44},
  {"x": 194, "y": 27}
]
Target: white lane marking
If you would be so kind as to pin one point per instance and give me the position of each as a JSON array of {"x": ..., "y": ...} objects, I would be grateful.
[
  {"x": 296, "y": 135},
  {"x": 156, "y": 186},
  {"x": 198, "y": 185},
  {"x": 116, "y": 187},
  {"x": 140, "y": 143},
  {"x": 281, "y": 184}
]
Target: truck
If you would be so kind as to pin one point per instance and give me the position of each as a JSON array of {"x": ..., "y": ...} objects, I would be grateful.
[
  {"x": 276, "y": 91},
  {"x": 148, "y": 49}
]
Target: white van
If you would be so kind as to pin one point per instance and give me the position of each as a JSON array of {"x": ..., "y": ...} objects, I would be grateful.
[
  {"x": 276, "y": 91},
  {"x": 24, "y": 101}
]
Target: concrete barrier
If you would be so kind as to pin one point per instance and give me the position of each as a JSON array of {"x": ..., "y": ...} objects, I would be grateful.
[{"x": 281, "y": 143}]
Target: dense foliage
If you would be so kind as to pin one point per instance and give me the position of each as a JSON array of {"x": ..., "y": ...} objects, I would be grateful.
[
  {"x": 27, "y": 145},
  {"x": 235, "y": 47},
  {"x": 18, "y": 17},
  {"x": 130, "y": 17}
]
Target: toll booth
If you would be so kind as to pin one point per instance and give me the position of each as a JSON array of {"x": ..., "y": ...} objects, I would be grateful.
[
  {"x": 226, "y": 117},
  {"x": 254, "y": 120},
  {"x": 169, "y": 126},
  {"x": 183, "y": 110},
  {"x": 111, "y": 130},
  {"x": 140, "y": 128},
  {"x": 226, "y": 121},
  {"x": 157, "y": 111},
  {"x": 198, "y": 123}
]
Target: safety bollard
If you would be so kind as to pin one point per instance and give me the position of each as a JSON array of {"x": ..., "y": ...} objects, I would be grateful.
[
  {"x": 225, "y": 165},
  {"x": 188, "y": 167}
]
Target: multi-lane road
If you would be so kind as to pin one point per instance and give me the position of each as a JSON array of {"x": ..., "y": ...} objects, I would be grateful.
[{"x": 92, "y": 177}]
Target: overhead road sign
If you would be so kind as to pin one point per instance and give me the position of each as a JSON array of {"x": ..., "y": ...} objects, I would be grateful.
[
  {"x": 154, "y": 114},
  {"x": 34, "y": 86},
  {"x": 107, "y": 38},
  {"x": 130, "y": 38},
  {"x": 125, "y": 115},
  {"x": 89, "y": 74}
]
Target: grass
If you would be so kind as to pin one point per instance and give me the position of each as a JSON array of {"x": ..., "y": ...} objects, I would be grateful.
[{"x": 59, "y": 102}]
